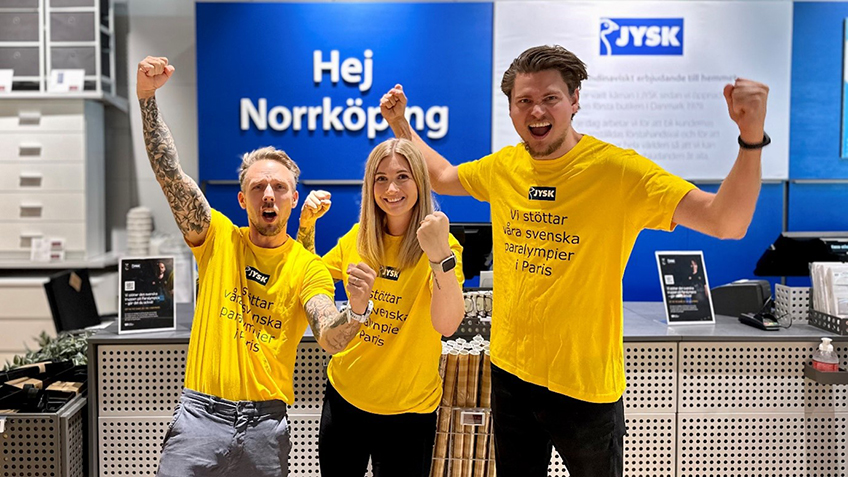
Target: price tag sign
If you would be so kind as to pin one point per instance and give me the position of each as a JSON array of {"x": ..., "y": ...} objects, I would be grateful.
[{"x": 66, "y": 81}]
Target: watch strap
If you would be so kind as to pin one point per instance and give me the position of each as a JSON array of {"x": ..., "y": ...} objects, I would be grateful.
[
  {"x": 765, "y": 142},
  {"x": 449, "y": 262},
  {"x": 356, "y": 316}
]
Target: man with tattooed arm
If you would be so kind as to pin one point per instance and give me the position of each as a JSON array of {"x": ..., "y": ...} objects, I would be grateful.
[{"x": 258, "y": 290}]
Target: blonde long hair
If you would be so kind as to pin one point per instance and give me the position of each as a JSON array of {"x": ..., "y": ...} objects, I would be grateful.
[{"x": 372, "y": 219}]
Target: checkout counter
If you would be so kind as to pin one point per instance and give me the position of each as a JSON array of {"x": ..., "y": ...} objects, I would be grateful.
[{"x": 715, "y": 399}]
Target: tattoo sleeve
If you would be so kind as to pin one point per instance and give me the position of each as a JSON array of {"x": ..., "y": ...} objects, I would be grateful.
[
  {"x": 190, "y": 208},
  {"x": 331, "y": 328},
  {"x": 306, "y": 236}
]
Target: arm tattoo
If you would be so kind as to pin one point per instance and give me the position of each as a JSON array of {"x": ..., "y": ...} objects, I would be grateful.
[
  {"x": 329, "y": 324},
  {"x": 436, "y": 281},
  {"x": 190, "y": 208},
  {"x": 306, "y": 236}
]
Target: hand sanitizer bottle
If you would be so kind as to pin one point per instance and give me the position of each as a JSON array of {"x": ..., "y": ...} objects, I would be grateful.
[{"x": 824, "y": 358}]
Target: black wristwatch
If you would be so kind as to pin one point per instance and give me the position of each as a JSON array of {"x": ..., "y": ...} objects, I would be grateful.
[{"x": 445, "y": 265}]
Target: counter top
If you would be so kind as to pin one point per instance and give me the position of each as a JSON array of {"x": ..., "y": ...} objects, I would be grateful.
[{"x": 643, "y": 322}]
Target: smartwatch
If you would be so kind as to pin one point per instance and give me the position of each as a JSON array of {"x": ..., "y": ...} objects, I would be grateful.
[
  {"x": 445, "y": 265},
  {"x": 356, "y": 316}
]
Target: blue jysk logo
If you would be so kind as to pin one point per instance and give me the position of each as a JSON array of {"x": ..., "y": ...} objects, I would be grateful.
[{"x": 641, "y": 36}]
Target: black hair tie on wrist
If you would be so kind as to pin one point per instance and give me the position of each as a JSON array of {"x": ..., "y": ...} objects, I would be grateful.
[{"x": 766, "y": 141}]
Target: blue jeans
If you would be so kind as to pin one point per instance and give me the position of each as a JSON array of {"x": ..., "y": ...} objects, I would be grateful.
[
  {"x": 211, "y": 436},
  {"x": 529, "y": 420}
]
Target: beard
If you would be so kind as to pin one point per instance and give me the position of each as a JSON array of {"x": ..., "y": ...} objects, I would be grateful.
[
  {"x": 552, "y": 148},
  {"x": 267, "y": 230}
]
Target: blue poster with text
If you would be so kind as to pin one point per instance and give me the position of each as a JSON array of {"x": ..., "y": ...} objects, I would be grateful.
[{"x": 307, "y": 78}]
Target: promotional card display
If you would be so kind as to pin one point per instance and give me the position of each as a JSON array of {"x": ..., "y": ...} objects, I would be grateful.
[
  {"x": 147, "y": 295},
  {"x": 6, "y": 80},
  {"x": 66, "y": 81},
  {"x": 685, "y": 288}
]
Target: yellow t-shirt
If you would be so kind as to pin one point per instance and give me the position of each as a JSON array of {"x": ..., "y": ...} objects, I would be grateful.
[
  {"x": 563, "y": 231},
  {"x": 250, "y": 314},
  {"x": 392, "y": 365}
]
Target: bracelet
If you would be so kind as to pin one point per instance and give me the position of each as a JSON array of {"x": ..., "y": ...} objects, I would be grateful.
[{"x": 744, "y": 145}]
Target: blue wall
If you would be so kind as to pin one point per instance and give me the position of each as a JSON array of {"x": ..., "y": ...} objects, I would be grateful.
[{"x": 442, "y": 53}]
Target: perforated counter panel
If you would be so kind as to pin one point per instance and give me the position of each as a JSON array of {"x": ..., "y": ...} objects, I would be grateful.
[{"x": 693, "y": 408}]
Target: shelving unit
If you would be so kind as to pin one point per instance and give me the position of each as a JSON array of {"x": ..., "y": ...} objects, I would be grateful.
[
  {"x": 38, "y": 36},
  {"x": 22, "y": 43}
]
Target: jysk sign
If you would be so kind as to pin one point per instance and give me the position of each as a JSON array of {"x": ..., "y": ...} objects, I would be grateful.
[
  {"x": 308, "y": 78},
  {"x": 641, "y": 36}
]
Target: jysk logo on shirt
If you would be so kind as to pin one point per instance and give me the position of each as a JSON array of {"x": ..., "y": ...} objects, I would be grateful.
[
  {"x": 257, "y": 276},
  {"x": 542, "y": 193},
  {"x": 641, "y": 36},
  {"x": 389, "y": 273}
]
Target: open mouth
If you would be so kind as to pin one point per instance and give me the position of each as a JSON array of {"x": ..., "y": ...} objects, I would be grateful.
[
  {"x": 540, "y": 130},
  {"x": 269, "y": 215},
  {"x": 394, "y": 200}
]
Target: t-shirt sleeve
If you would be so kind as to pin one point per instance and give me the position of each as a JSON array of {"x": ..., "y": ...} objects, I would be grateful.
[
  {"x": 316, "y": 281},
  {"x": 653, "y": 193},
  {"x": 333, "y": 261},
  {"x": 475, "y": 177},
  {"x": 456, "y": 248},
  {"x": 217, "y": 223}
]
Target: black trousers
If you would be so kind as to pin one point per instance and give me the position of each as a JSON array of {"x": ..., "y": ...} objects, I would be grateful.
[
  {"x": 529, "y": 420},
  {"x": 399, "y": 445}
]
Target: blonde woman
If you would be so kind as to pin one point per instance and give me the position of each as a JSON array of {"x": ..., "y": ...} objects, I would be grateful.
[{"x": 384, "y": 387}]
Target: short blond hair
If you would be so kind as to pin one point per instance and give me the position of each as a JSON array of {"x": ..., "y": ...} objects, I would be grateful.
[{"x": 269, "y": 153}]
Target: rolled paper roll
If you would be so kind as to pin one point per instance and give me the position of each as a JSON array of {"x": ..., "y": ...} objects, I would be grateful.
[
  {"x": 444, "y": 416},
  {"x": 480, "y": 452},
  {"x": 462, "y": 379},
  {"x": 491, "y": 470},
  {"x": 457, "y": 443},
  {"x": 486, "y": 381},
  {"x": 470, "y": 401}
]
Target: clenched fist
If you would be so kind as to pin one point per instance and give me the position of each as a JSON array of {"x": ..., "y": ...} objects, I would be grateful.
[
  {"x": 153, "y": 73},
  {"x": 746, "y": 102},
  {"x": 360, "y": 280},
  {"x": 433, "y": 236},
  {"x": 317, "y": 204},
  {"x": 393, "y": 104}
]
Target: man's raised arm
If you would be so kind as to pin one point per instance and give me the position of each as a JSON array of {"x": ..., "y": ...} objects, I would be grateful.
[
  {"x": 444, "y": 176},
  {"x": 190, "y": 208},
  {"x": 728, "y": 213}
]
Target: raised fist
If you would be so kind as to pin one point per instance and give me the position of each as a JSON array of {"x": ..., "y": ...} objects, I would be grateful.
[
  {"x": 317, "y": 204},
  {"x": 433, "y": 236},
  {"x": 360, "y": 281},
  {"x": 393, "y": 104},
  {"x": 746, "y": 103},
  {"x": 153, "y": 72}
]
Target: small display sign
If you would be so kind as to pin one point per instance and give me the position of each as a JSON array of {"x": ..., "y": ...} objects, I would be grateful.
[
  {"x": 6, "y": 80},
  {"x": 147, "y": 295},
  {"x": 686, "y": 290},
  {"x": 66, "y": 81}
]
